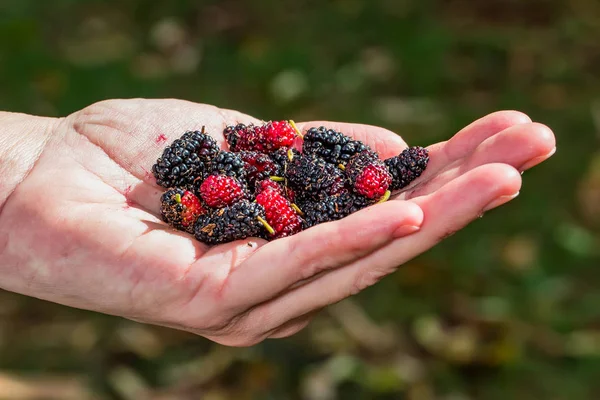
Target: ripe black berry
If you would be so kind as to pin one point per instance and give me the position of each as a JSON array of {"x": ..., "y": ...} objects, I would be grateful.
[
  {"x": 332, "y": 208},
  {"x": 228, "y": 164},
  {"x": 238, "y": 221},
  {"x": 232, "y": 135},
  {"x": 185, "y": 160},
  {"x": 332, "y": 146},
  {"x": 282, "y": 157},
  {"x": 259, "y": 166},
  {"x": 407, "y": 166},
  {"x": 313, "y": 177}
]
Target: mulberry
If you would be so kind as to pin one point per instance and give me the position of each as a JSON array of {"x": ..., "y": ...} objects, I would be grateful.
[
  {"x": 232, "y": 134},
  {"x": 333, "y": 208},
  {"x": 238, "y": 221},
  {"x": 259, "y": 166},
  {"x": 228, "y": 164},
  {"x": 407, "y": 166},
  {"x": 185, "y": 160},
  {"x": 180, "y": 209},
  {"x": 266, "y": 138},
  {"x": 283, "y": 157},
  {"x": 279, "y": 213},
  {"x": 313, "y": 177},
  {"x": 265, "y": 184},
  {"x": 332, "y": 146},
  {"x": 278, "y": 135},
  {"x": 220, "y": 191},
  {"x": 368, "y": 175}
]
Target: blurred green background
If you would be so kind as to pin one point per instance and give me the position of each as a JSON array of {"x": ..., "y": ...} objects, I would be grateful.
[{"x": 506, "y": 309}]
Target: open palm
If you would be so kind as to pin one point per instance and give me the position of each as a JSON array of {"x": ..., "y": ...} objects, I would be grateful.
[{"x": 83, "y": 229}]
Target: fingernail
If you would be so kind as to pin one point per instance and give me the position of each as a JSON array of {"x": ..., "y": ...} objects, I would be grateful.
[
  {"x": 406, "y": 230},
  {"x": 499, "y": 201},
  {"x": 535, "y": 161}
]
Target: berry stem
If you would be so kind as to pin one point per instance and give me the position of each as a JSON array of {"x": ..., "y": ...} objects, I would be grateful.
[
  {"x": 342, "y": 167},
  {"x": 277, "y": 178},
  {"x": 385, "y": 197},
  {"x": 297, "y": 209},
  {"x": 293, "y": 124},
  {"x": 266, "y": 225}
]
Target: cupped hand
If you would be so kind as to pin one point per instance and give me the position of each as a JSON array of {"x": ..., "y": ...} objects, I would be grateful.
[{"x": 83, "y": 229}]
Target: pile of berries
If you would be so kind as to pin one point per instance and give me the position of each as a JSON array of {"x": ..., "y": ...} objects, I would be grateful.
[{"x": 274, "y": 181}]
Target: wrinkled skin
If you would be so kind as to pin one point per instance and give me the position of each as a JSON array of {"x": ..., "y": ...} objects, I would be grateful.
[{"x": 81, "y": 227}]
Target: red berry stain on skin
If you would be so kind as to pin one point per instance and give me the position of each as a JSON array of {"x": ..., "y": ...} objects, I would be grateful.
[
  {"x": 161, "y": 139},
  {"x": 129, "y": 202}
]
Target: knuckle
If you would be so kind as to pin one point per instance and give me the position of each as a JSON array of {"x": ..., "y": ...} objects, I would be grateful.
[
  {"x": 224, "y": 323},
  {"x": 290, "y": 330},
  {"x": 365, "y": 279},
  {"x": 238, "y": 341},
  {"x": 243, "y": 330},
  {"x": 446, "y": 234},
  {"x": 240, "y": 333},
  {"x": 105, "y": 114},
  {"x": 311, "y": 257},
  {"x": 309, "y": 269}
]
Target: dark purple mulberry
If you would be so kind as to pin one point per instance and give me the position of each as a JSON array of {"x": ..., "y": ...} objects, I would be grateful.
[
  {"x": 313, "y": 177},
  {"x": 332, "y": 146},
  {"x": 238, "y": 221},
  {"x": 332, "y": 208},
  {"x": 407, "y": 166},
  {"x": 185, "y": 160}
]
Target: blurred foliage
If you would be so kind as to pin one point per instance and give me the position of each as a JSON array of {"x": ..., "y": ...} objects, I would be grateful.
[{"x": 506, "y": 309}]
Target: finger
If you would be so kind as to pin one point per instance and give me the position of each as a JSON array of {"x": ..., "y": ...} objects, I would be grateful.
[
  {"x": 386, "y": 143},
  {"x": 518, "y": 146},
  {"x": 441, "y": 155},
  {"x": 282, "y": 263},
  {"x": 446, "y": 211},
  {"x": 134, "y": 133},
  {"x": 291, "y": 327},
  {"x": 468, "y": 138}
]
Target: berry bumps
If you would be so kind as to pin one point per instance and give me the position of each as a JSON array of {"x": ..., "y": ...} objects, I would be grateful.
[
  {"x": 181, "y": 208},
  {"x": 265, "y": 186},
  {"x": 332, "y": 146},
  {"x": 313, "y": 177},
  {"x": 407, "y": 166},
  {"x": 221, "y": 190},
  {"x": 368, "y": 175},
  {"x": 280, "y": 214},
  {"x": 185, "y": 160},
  {"x": 236, "y": 222},
  {"x": 264, "y": 138}
]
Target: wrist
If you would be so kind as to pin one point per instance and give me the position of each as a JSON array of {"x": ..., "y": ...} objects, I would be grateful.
[{"x": 22, "y": 140}]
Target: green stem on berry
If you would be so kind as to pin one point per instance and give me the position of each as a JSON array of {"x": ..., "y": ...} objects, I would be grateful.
[
  {"x": 290, "y": 155},
  {"x": 297, "y": 209},
  {"x": 293, "y": 124},
  {"x": 266, "y": 225},
  {"x": 385, "y": 197},
  {"x": 178, "y": 198},
  {"x": 277, "y": 178}
]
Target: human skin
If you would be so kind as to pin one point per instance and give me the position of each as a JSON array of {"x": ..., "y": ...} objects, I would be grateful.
[{"x": 80, "y": 224}]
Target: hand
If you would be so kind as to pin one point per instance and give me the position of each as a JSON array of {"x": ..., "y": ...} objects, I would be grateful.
[{"x": 83, "y": 228}]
